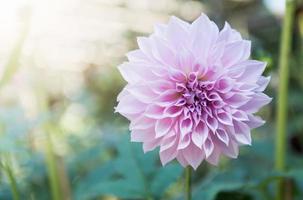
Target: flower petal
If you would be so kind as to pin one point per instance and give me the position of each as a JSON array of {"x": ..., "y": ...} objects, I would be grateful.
[
  {"x": 154, "y": 111},
  {"x": 242, "y": 133},
  {"x": 224, "y": 117},
  {"x": 129, "y": 106},
  {"x": 151, "y": 145},
  {"x": 200, "y": 134},
  {"x": 212, "y": 123},
  {"x": 172, "y": 111},
  {"x": 177, "y": 32},
  {"x": 236, "y": 52},
  {"x": 138, "y": 135},
  {"x": 168, "y": 154},
  {"x": 186, "y": 126},
  {"x": 163, "y": 126},
  {"x": 184, "y": 142},
  {"x": 193, "y": 155},
  {"x": 253, "y": 71},
  {"x": 208, "y": 147},
  {"x": 203, "y": 33},
  {"x": 222, "y": 135},
  {"x": 257, "y": 101}
]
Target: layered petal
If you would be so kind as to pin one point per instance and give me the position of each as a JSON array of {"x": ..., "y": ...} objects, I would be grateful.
[{"x": 192, "y": 91}]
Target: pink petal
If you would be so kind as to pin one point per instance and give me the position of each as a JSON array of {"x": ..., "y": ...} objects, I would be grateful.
[
  {"x": 136, "y": 72},
  {"x": 168, "y": 141},
  {"x": 222, "y": 135},
  {"x": 193, "y": 155},
  {"x": 236, "y": 52},
  {"x": 239, "y": 115},
  {"x": 142, "y": 92},
  {"x": 142, "y": 122},
  {"x": 173, "y": 111},
  {"x": 254, "y": 121},
  {"x": 262, "y": 82},
  {"x": 200, "y": 134},
  {"x": 185, "y": 126},
  {"x": 216, "y": 53},
  {"x": 177, "y": 75},
  {"x": 227, "y": 34},
  {"x": 208, "y": 147},
  {"x": 185, "y": 60},
  {"x": 203, "y": 34},
  {"x": 184, "y": 142},
  {"x": 162, "y": 52},
  {"x": 253, "y": 70},
  {"x": 214, "y": 96},
  {"x": 181, "y": 159},
  {"x": 212, "y": 123},
  {"x": 169, "y": 154},
  {"x": 224, "y": 117},
  {"x": 129, "y": 105},
  {"x": 145, "y": 46},
  {"x": 154, "y": 111},
  {"x": 224, "y": 85},
  {"x": 177, "y": 32},
  {"x": 242, "y": 133},
  {"x": 167, "y": 98},
  {"x": 232, "y": 150},
  {"x": 160, "y": 86},
  {"x": 237, "y": 100},
  {"x": 142, "y": 135},
  {"x": 122, "y": 94},
  {"x": 163, "y": 126},
  {"x": 151, "y": 145},
  {"x": 214, "y": 157},
  {"x": 136, "y": 56},
  {"x": 257, "y": 101}
]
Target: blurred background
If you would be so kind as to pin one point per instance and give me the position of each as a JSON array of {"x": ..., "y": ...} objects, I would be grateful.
[{"x": 60, "y": 138}]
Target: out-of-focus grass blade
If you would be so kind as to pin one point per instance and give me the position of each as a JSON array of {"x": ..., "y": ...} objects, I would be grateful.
[
  {"x": 6, "y": 167},
  {"x": 50, "y": 156},
  {"x": 12, "y": 64}
]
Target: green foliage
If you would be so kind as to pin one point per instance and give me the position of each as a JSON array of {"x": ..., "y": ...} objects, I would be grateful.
[
  {"x": 130, "y": 175},
  {"x": 249, "y": 177}
]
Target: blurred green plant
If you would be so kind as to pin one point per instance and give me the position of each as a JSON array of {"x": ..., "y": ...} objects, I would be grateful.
[
  {"x": 13, "y": 64},
  {"x": 130, "y": 175},
  {"x": 282, "y": 106}
]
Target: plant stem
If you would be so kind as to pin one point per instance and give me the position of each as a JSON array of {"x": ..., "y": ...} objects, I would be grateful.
[
  {"x": 13, "y": 64},
  {"x": 52, "y": 170},
  {"x": 188, "y": 183},
  {"x": 50, "y": 156},
  {"x": 286, "y": 41},
  {"x": 12, "y": 181}
]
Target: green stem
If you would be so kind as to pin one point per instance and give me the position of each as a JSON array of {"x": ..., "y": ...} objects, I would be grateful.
[
  {"x": 52, "y": 170},
  {"x": 188, "y": 183},
  {"x": 285, "y": 48},
  {"x": 13, "y": 64},
  {"x": 12, "y": 181},
  {"x": 50, "y": 157}
]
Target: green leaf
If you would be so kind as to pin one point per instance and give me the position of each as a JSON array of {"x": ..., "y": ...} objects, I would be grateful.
[
  {"x": 217, "y": 182},
  {"x": 131, "y": 174},
  {"x": 164, "y": 177}
]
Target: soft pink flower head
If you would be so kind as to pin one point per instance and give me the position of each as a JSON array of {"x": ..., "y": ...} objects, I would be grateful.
[{"x": 192, "y": 90}]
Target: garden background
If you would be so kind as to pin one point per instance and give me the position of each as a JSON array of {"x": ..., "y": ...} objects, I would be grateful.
[{"x": 60, "y": 138}]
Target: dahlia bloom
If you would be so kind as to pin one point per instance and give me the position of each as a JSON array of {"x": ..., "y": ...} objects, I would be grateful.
[{"x": 192, "y": 90}]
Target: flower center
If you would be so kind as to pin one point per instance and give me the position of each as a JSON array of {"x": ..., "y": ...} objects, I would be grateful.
[{"x": 198, "y": 95}]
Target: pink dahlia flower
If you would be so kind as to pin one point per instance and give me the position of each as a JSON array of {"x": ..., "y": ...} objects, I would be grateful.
[{"x": 192, "y": 90}]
